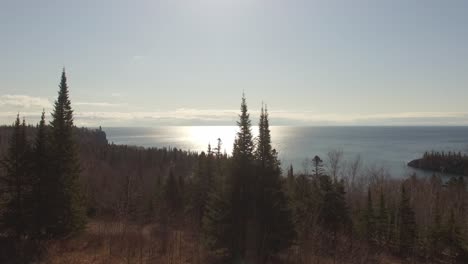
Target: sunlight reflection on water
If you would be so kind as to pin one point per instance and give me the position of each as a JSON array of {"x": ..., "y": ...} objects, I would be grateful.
[{"x": 391, "y": 147}]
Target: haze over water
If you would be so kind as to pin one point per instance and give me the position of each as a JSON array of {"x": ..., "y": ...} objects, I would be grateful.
[{"x": 388, "y": 147}]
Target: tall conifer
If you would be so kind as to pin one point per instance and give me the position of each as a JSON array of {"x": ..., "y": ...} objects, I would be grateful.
[
  {"x": 17, "y": 182},
  {"x": 41, "y": 180},
  {"x": 68, "y": 211},
  {"x": 275, "y": 227}
]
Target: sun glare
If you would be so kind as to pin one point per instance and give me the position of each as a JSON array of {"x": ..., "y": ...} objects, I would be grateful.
[{"x": 201, "y": 136}]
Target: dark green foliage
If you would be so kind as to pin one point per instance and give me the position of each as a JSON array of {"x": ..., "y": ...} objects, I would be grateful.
[
  {"x": 369, "y": 218},
  {"x": 454, "y": 237},
  {"x": 436, "y": 233},
  {"x": 451, "y": 162},
  {"x": 304, "y": 203},
  {"x": 203, "y": 184},
  {"x": 334, "y": 214},
  {"x": 218, "y": 228},
  {"x": 317, "y": 167},
  {"x": 407, "y": 225},
  {"x": 275, "y": 227},
  {"x": 242, "y": 183},
  {"x": 41, "y": 180},
  {"x": 382, "y": 222},
  {"x": 17, "y": 183},
  {"x": 68, "y": 214},
  {"x": 172, "y": 194}
]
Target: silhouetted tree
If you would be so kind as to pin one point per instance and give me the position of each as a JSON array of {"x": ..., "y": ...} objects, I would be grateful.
[
  {"x": 242, "y": 182},
  {"x": 407, "y": 225},
  {"x": 275, "y": 227},
  {"x": 369, "y": 218},
  {"x": 41, "y": 179},
  {"x": 68, "y": 214},
  {"x": 317, "y": 167},
  {"x": 382, "y": 222},
  {"x": 17, "y": 183},
  {"x": 172, "y": 194}
]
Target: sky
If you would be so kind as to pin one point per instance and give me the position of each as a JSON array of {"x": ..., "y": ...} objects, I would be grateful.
[{"x": 187, "y": 62}]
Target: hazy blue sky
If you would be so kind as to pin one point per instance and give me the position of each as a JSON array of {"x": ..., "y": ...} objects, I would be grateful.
[{"x": 187, "y": 62}]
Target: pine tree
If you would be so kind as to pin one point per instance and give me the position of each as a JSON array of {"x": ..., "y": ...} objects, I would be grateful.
[
  {"x": 369, "y": 218},
  {"x": 16, "y": 215},
  {"x": 290, "y": 182},
  {"x": 203, "y": 184},
  {"x": 436, "y": 232},
  {"x": 407, "y": 225},
  {"x": 172, "y": 195},
  {"x": 40, "y": 163},
  {"x": 275, "y": 227},
  {"x": 317, "y": 167},
  {"x": 242, "y": 182},
  {"x": 68, "y": 213},
  {"x": 454, "y": 237},
  {"x": 218, "y": 228},
  {"x": 229, "y": 208},
  {"x": 333, "y": 215},
  {"x": 382, "y": 221}
]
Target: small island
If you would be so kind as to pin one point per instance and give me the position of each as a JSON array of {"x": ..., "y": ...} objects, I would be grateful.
[{"x": 451, "y": 162}]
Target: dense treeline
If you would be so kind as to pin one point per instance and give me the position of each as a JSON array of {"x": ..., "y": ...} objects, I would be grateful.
[
  {"x": 450, "y": 162},
  {"x": 149, "y": 205}
]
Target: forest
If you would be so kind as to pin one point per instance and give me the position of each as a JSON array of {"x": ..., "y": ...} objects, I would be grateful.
[{"x": 69, "y": 196}]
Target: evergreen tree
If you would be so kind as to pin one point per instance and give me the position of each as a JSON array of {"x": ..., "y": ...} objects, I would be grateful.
[
  {"x": 382, "y": 221},
  {"x": 454, "y": 237},
  {"x": 436, "y": 233},
  {"x": 218, "y": 228},
  {"x": 242, "y": 182},
  {"x": 275, "y": 227},
  {"x": 172, "y": 194},
  {"x": 305, "y": 204},
  {"x": 407, "y": 225},
  {"x": 203, "y": 184},
  {"x": 334, "y": 216},
  {"x": 229, "y": 208},
  {"x": 317, "y": 167},
  {"x": 369, "y": 218},
  {"x": 40, "y": 158},
  {"x": 17, "y": 211},
  {"x": 290, "y": 182},
  {"x": 68, "y": 213}
]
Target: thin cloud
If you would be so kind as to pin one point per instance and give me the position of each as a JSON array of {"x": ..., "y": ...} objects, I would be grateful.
[
  {"x": 186, "y": 116},
  {"x": 100, "y": 104},
  {"x": 222, "y": 116},
  {"x": 23, "y": 101}
]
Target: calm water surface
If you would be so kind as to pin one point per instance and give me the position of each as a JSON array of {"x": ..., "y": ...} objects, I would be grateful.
[{"x": 390, "y": 147}]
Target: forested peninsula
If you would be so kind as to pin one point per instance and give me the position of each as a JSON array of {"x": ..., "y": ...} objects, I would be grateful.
[{"x": 450, "y": 162}]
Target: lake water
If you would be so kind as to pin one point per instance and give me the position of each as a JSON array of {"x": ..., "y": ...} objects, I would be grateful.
[{"x": 388, "y": 147}]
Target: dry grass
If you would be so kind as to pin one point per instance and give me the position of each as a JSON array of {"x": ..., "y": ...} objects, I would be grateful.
[{"x": 112, "y": 242}]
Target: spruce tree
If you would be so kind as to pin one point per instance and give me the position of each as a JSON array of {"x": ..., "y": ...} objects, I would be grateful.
[
  {"x": 275, "y": 227},
  {"x": 16, "y": 215},
  {"x": 436, "y": 233},
  {"x": 382, "y": 221},
  {"x": 369, "y": 218},
  {"x": 68, "y": 213},
  {"x": 41, "y": 180},
  {"x": 242, "y": 182},
  {"x": 407, "y": 225},
  {"x": 172, "y": 195},
  {"x": 218, "y": 228},
  {"x": 317, "y": 167}
]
